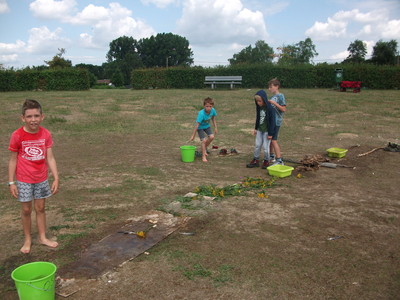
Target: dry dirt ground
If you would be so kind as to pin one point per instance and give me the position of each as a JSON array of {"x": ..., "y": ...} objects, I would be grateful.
[{"x": 242, "y": 247}]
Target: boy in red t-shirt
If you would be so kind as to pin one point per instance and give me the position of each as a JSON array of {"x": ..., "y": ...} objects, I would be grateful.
[{"x": 31, "y": 156}]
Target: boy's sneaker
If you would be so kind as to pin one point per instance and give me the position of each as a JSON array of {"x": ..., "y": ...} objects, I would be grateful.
[
  {"x": 265, "y": 164},
  {"x": 278, "y": 162},
  {"x": 272, "y": 158},
  {"x": 254, "y": 163}
]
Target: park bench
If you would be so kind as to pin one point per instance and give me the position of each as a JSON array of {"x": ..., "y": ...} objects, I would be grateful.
[
  {"x": 355, "y": 85},
  {"x": 214, "y": 80}
]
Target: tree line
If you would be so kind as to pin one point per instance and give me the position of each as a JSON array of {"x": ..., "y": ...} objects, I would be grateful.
[
  {"x": 126, "y": 54},
  {"x": 303, "y": 52},
  {"x": 170, "y": 50}
]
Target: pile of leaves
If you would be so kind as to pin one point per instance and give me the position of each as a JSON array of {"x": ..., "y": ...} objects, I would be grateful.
[{"x": 311, "y": 162}]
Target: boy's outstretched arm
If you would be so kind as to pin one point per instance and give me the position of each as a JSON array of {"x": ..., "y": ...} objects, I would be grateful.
[
  {"x": 194, "y": 131},
  {"x": 51, "y": 162},
  {"x": 215, "y": 125},
  {"x": 12, "y": 166}
]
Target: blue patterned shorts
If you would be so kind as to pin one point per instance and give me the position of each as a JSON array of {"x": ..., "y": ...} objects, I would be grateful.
[{"x": 29, "y": 191}]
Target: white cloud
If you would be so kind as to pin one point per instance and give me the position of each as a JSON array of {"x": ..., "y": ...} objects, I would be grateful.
[
  {"x": 50, "y": 9},
  {"x": 91, "y": 14},
  {"x": 376, "y": 24},
  {"x": 5, "y": 48},
  {"x": 4, "y": 7},
  {"x": 109, "y": 24},
  {"x": 86, "y": 41},
  {"x": 357, "y": 16},
  {"x": 159, "y": 3},
  {"x": 325, "y": 31},
  {"x": 7, "y": 59},
  {"x": 366, "y": 30},
  {"x": 219, "y": 21},
  {"x": 236, "y": 46},
  {"x": 370, "y": 47},
  {"x": 391, "y": 30},
  {"x": 43, "y": 41},
  {"x": 341, "y": 55}
]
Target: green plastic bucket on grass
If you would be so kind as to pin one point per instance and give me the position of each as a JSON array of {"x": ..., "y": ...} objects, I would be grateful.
[
  {"x": 35, "y": 281},
  {"x": 188, "y": 153}
]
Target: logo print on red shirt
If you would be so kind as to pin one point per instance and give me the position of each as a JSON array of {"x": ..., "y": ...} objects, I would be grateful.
[{"x": 33, "y": 150}]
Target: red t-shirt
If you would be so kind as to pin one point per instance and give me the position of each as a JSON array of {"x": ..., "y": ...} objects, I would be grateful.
[{"x": 32, "y": 152}]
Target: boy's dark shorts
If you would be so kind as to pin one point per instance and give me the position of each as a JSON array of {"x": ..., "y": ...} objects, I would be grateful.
[
  {"x": 275, "y": 136},
  {"x": 30, "y": 191},
  {"x": 203, "y": 133}
]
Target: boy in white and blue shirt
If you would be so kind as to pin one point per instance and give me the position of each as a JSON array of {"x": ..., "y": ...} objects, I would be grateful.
[{"x": 278, "y": 102}]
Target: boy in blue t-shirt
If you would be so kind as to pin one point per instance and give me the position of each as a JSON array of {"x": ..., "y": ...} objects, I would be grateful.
[
  {"x": 278, "y": 102},
  {"x": 203, "y": 128}
]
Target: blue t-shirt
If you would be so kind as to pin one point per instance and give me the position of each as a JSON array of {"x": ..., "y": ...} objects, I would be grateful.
[
  {"x": 204, "y": 119},
  {"x": 280, "y": 99}
]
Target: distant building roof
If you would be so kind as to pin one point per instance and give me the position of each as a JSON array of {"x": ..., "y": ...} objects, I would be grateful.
[{"x": 103, "y": 81}]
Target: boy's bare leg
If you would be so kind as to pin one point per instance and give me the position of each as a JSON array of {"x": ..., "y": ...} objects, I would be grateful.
[
  {"x": 41, "y": 223},
  {"x": 204, "y": 150},
  {"x": 26, "y": 211},
  {"x": 276, "y": 147},
  {"x": 271, "y": 149},
  {"x": 204, "y": 146}
]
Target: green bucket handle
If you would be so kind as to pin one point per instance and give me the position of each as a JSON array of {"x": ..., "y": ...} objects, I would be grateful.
[{"x": 40, "y": 289}]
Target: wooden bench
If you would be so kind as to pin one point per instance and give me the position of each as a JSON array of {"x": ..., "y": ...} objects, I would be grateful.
[
  {"x": 214, "y": 80},
  {"x": 355, "y": 85}
]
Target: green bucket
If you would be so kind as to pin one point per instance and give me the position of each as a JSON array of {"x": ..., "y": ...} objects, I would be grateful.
[
  {"x": 35, "y": 281},
  {"x": 188, "y": 153}
]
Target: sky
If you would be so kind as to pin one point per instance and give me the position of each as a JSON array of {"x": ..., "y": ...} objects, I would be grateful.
[{"x": 31, "y": 32}]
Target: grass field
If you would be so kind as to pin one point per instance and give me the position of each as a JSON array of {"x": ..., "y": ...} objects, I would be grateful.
[{"x": 118, "y": 157}]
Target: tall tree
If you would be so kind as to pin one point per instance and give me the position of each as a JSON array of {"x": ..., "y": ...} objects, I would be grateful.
[
  {"x": 164, "y": 50},
  {"x": 261, "y": 53},
  {"x": 123, "y": 55},
  {"x": 287, "y": 55},
  {"x": 301, "y": 53},
  {"x": 357, "y": 52},
  {"x": 58, "y": 62},
  {"x": 385, "y": 53},
  {"x": 121, "y": 47},
  {"x": 306, "y": 51}
]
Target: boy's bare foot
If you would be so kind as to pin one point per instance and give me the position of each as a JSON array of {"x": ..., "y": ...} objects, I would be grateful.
[
  {"x": 26, "y": 248},
  {"x": 204, "y": 159},
  {"x": 49, "y": 243}
]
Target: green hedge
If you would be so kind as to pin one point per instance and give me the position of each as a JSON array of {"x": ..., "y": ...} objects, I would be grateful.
[
  {"x": 162, "y": 78},
  {"x": 306, "y": 76},
  {"x": 51, "y": 80}
]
